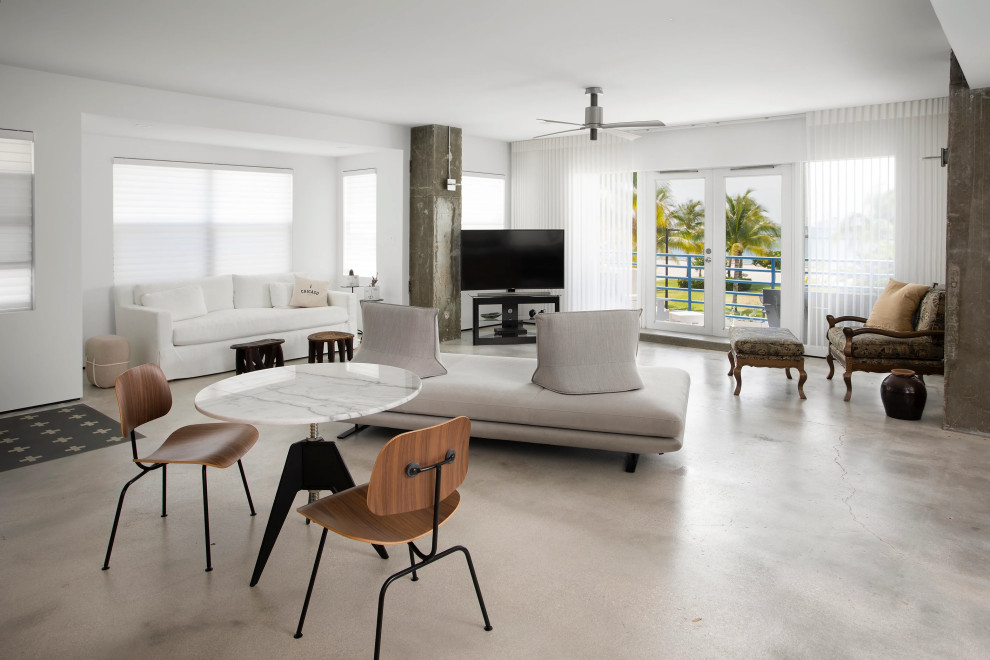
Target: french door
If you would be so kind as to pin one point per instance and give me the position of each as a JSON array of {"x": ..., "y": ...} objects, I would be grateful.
[{"x": 718, "y": 246}]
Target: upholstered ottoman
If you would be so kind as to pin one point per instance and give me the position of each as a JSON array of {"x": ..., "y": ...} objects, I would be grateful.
[
  {"x": 765, "y": 347},
  {"x": 107, "y": 356}
]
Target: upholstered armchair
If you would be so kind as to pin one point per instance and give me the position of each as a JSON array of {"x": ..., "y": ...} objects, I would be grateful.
[{"x": 878, "y": 350}]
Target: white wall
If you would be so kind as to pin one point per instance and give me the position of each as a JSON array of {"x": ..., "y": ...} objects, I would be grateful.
[
  {"x": 314, "y": 210},
  {"x": 42, "y": 363},
  {"x": 486, "y": 156},
  {"x": 770, "y": 142}
]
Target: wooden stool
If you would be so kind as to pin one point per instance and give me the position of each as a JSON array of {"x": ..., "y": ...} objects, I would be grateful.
[
  {"x": 260, "y": 354},
  {"x": 343, "y": 341},
  {"x": 765, "y": 347}
]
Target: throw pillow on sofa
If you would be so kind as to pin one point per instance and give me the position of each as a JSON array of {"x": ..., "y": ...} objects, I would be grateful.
[
  {"x": 588, "y": 352},
  {"x": 186, "y": 302},
  {"x": 281, "y": 294},
  {"x": 309, "y": 293},
  {"x": 401, "y": 336}
]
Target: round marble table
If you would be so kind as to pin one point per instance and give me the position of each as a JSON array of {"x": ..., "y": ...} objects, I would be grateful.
[{"x": 307, "y": 394}]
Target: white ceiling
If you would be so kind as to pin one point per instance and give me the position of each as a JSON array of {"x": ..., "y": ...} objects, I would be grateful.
[{"x": 492, "y": 68}]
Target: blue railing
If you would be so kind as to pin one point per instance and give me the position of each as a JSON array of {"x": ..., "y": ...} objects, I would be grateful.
[{"x": 695, "y": 283}]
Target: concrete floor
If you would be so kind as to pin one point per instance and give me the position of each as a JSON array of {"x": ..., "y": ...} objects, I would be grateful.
[{"x": 784, "y": 528}]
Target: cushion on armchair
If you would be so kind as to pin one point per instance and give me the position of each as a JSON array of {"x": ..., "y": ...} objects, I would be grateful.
[
  {"x": 931, "y": 311},
  {"x": 895, "y": 308},
  {"x": 872, "y": 346}
]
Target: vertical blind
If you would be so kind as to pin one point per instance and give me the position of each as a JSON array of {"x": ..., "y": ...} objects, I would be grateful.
[
  {"x": 360, "y": 222},
  {"x": 875, "y": 209},
  {"x": 16, "y": 219},
  {"x": 185, "y": 220},
  {"x": 585, "y": 188},
  {"x": 482, "y": 201}
]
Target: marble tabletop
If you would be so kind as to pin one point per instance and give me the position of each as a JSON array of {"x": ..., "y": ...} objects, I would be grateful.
[{"x": 308, "y": 393}]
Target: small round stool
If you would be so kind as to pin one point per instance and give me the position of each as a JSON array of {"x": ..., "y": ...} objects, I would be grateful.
[
  {"x": 107, "y": 356},
  {"x": 342, "y": 341},
  {"x": 260, "y": 354}
]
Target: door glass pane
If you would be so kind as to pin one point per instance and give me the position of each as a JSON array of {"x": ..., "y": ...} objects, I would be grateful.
[
  {"x": 680, "y": 245},
  {"x": 752, "y": 250}
]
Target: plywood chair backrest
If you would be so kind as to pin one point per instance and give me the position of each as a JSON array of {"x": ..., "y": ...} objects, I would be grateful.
[
  {"x": 142, "y": 395},
  {"x": 391, "y": 491}
]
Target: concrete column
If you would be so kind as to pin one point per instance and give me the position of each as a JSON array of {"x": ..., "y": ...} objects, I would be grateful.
[
  {"x": 967, "y": 319},
  {"x": 435, "y": 225}
]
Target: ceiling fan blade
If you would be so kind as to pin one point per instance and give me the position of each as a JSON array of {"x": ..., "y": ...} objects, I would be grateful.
[
  {"x": 570, "y": 130},
  {"x": 554, "y": 121},
  {"x": 656, "y": 123},
  {"x": 622, "y": 134}
]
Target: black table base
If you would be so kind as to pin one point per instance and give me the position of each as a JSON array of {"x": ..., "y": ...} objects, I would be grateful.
[{"x": 312, "y": 464}]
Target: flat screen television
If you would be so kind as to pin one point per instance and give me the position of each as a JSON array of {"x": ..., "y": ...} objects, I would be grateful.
[{"x": 512, "y": 259}]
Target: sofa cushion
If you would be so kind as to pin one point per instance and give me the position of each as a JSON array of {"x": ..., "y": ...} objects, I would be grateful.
[
  {"x": 872, "y": 346},
  {"x": 498, "y": 389},
  {"x": 239, "y": 323},
  {"x": 253, "y": 290},
  {"x": 185, "y": 302},
  {"x": 307, "y": 292},
  {"x": 401, "y": 336},
  {"x": 218, "y": 291},
  {"x": 588, "y": 352},
  {"x": 281, "y": 294},
  {"x": 895, "y": 308}
]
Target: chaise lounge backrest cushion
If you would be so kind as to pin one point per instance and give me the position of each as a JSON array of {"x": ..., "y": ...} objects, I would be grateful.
[
  {"x": 588, "y": 352},
  {"x": 401, "y": 336},
  {"x": 895, "y": 308}
]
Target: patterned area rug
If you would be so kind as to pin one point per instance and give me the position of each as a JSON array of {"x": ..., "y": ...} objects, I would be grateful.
[{"x": 36, "y": 437}]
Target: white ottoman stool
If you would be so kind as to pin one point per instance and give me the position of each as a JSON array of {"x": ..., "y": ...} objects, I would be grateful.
[{"x": 107, "y": 356}]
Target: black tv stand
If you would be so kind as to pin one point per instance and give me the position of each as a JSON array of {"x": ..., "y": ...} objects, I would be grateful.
[{"x": 511, "y": 330}]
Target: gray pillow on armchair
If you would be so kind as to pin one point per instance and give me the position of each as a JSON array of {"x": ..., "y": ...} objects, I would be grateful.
[
  {"x": 588, "y": 352},
  {"x": 401, "y": 336}
]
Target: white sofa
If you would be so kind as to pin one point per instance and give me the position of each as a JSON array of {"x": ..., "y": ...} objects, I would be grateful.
[{"x": 238, "y": 309}]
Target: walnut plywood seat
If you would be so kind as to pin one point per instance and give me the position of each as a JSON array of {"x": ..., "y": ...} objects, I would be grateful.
[
  {"x": 143, "y": 395},
  {"x": 412, "y": 491}
]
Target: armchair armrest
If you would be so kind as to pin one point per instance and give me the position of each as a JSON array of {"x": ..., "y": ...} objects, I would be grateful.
[
  {"x": 148, "y": 330},
  {"x": 854, "y": 332},
  {"x": 832, "y": 320},
  {"x": 348, "y": 301}
]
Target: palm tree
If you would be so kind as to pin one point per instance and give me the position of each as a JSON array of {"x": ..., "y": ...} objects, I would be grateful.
[{"x": 747, "y": 229}]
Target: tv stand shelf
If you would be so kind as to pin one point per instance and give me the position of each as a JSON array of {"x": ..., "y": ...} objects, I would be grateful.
[{"x": 510, "y": 331}]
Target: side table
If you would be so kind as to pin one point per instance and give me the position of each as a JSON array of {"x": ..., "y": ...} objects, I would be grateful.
[
  {"x": 342, "y": 342},
  {"x": 260, "y": 354}
]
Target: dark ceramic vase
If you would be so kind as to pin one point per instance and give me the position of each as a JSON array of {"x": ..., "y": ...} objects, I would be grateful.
[{"x": 903, "y": 394}]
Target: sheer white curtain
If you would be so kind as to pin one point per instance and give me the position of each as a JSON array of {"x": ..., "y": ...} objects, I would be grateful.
[
  {"x": 585, "y": 188},
  {"x": 874, "y": 208}
]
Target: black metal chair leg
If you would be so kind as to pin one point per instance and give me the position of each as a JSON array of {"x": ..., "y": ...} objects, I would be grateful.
[
  {"x": 477, "y": 588},
  {"x": 116, "y": 518},
  {"x": 312, "y": 580},
  {"x": 247, "y": 491},
  {"x": 412, "y": 562},
  {"x": 164, "y": 513},
  {"x": 206, "y": 523}
]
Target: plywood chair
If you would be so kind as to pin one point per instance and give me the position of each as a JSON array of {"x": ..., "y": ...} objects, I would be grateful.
[
  {"x": 143, "y": 395},
  {"x": 401, "y": 503}
]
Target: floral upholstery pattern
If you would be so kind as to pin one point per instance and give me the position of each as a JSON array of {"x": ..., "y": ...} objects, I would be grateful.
[
  {"x": 880, "y": 347},
  {"x": 931, "y": 311},
  {"x": 765, "y": 342}
]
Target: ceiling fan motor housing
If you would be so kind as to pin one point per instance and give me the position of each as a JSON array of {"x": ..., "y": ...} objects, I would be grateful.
[{"x": 593, "y": 115}]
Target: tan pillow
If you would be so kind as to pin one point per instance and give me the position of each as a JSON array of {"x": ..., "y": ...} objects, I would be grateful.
[
  {"x": 896, "y": 306},
  {"x": 309, "y": 293}
]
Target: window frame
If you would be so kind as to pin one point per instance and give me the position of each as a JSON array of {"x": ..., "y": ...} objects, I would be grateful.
[
  {"x": 504, "y": 206},
  {"x": 344, "y": 267},
  {"x": 29, "y": 305}
]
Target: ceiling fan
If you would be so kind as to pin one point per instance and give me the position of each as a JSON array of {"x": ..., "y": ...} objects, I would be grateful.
[{"x": 593, "y": 116}]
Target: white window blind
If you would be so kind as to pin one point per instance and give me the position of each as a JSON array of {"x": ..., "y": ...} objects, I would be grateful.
[
  {"x": 16, "y": 220},
  {"x": 482, "y": 201},
  {"x": 184, "y": 220},
  {"x": 360, "y": 222}
]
